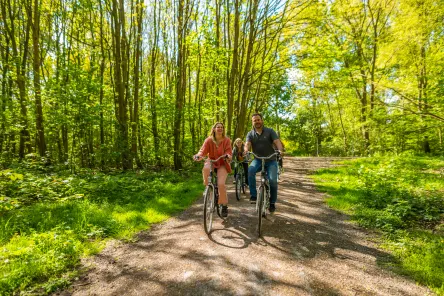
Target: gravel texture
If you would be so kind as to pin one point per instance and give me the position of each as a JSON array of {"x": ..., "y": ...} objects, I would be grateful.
[{"x": 306, "y": 249}]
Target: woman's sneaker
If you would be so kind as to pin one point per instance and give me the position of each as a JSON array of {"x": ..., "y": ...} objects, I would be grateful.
[
  {"x": 224, "y": 211},
  {"x": 253, "y": 199}
]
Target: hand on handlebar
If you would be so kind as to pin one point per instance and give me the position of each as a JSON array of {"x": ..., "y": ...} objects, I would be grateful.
[{"x": 197, "y": 157}]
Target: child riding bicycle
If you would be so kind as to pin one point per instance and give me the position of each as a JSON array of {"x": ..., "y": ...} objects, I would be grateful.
[{"x": 238, "y": 151}]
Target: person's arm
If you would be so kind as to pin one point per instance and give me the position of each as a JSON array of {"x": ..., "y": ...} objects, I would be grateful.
[
  {"x": 276, "y": 141},
  {"x": 247, "y": 147},
  {"x": 278, "y": 144},
  {"x": 203, "y": 150},
  {"x": 228, "y": 150},
  {"x": 235, "y": 151}
]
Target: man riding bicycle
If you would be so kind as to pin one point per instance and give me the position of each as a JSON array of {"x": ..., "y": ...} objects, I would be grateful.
[{"x": 261, "y": 140}]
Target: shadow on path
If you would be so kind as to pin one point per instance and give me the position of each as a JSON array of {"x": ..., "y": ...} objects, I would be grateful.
[{"x": 306, "y": 249}]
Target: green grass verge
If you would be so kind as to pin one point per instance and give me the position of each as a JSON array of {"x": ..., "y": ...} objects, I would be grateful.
[
  {"x": 403, "y": 198},
  {"x": 48, "y": 221}
]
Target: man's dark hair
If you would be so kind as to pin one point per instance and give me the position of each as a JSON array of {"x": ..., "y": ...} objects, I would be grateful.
[{"x": 257, "y": 114}]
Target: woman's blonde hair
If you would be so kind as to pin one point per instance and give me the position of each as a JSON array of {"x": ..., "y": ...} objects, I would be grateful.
[
  {"x": 213, "y": 131},
  {"x": 237, "y": 141}
]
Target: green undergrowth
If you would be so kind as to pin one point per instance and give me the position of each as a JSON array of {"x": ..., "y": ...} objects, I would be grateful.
[
  {"x": 49, "y": 220},
  {"x": 403, "y": 198}
]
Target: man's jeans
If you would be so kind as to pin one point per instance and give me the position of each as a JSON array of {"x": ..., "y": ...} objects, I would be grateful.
[{"x": 271, "y": 169}]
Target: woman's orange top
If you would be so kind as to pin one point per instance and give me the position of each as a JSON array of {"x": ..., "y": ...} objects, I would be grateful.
[{"x": 213, "y": 151}]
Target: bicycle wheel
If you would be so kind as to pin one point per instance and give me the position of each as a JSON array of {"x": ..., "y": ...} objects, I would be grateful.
[
  {"x": 208, "y": 208},
  {"x": 260, "y": 209},
  {"x": 238, "y": 186},
  {"x": 243, "y": 183}
]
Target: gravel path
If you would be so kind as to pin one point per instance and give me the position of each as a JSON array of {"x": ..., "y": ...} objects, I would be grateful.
[{"x": 307, "y": 249}]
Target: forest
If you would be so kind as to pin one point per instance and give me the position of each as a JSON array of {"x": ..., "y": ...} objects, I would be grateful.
[
  {"x": 103, "y": 103},
  {"x": 126, "y": 84}
]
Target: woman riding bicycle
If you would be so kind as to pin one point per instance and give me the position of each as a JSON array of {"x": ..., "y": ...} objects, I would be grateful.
[
  {"x": 216, "y": 145},
  {"x": 238, "y": 153}
]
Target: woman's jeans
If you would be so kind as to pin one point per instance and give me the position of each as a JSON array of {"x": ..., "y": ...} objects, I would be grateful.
[{"x": 271, "y": 169}]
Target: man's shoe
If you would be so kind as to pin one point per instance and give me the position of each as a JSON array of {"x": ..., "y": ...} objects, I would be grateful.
[
  {"x": 253, "y": 199},
  {"x": 224, "y": 211},
  {"x": 272, "y": 208}
]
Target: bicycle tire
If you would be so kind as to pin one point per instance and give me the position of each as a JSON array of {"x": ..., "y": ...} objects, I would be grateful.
[
  {"x": 260, "y": 209},
  {"x": 238, "y": 186},
  {"x": 243, "y": 184},
  {"x": 208, "y": 208}
]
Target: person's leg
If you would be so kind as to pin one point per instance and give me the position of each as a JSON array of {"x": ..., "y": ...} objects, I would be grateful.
[
  {"x": 206, "y": 172},
  {"x": 271, "y": 168},
  {"x": 221, "y": 178},
  {"x": 245, "y": 164},
  {"x": 254, "y": 167}
]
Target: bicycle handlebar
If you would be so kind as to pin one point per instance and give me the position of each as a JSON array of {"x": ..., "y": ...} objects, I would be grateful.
[
  {"x": 264, "y": 158},
  {"x": 211, "y": 160}
]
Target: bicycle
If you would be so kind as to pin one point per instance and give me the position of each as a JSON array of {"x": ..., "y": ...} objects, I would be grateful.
[
  {"x": 263, "y": 199},
  {"x": 239, "y": 181},
  {"x": 211, "y": 196}
]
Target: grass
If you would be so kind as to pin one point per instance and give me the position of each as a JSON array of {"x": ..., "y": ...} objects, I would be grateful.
[
  {"x": 48, "y": 220},
  {"x": 403, "y": 198}
]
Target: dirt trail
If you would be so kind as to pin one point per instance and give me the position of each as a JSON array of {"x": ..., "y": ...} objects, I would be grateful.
[{"x": 308, "y": 249}]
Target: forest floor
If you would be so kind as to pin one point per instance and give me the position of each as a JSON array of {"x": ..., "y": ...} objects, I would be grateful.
[{"x": 306, "y": 249}]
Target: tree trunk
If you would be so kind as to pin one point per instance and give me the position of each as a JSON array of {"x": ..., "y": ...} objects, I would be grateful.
[
  {"x": 234, "y": 69},
  {"x": 135, "y": 123},
  {"x": 180, "y": 86},
  {"x": 20, "y": 67},
  {"x": 246, "y": 75},
  {"x": 4, "y": 95},
  {"x": 154, "y": 50},
  {"x": 41, "y": 144},
  {"x": 118, "y": 16},
  {"x": 101, "y": 93}
]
